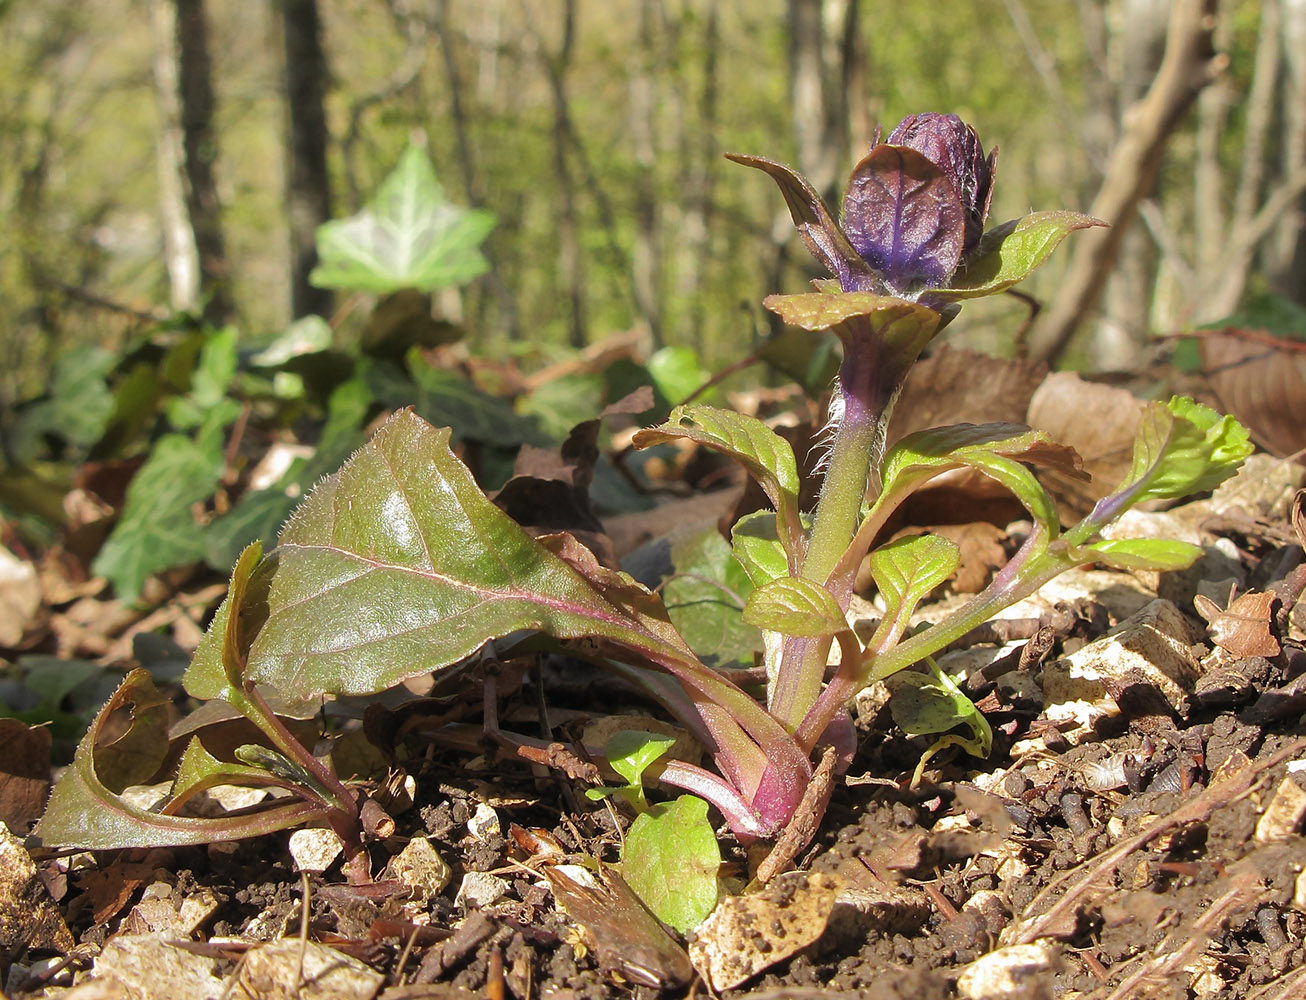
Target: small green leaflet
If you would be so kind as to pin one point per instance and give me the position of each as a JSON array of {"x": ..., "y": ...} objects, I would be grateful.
[
  {"x": 671, "y": 861},
  {"x": 630, "y": 752},
  {"x": 924, "y": 704}
]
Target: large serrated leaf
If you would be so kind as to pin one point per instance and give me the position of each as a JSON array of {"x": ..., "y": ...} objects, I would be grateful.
[
  {"x": 1008, "y": 253},
  {"x": 408, "y": 236},
  {"x": 399, "y": 565},
  {"x": 767, "y": 456}
]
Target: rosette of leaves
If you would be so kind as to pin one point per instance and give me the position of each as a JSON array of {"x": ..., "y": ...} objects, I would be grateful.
[{"x": 398, "y": 565}]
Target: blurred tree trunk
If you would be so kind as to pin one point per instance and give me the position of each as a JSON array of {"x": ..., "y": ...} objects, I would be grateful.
[
  {"x": 180, "y": 251},
  {"x": 823, "y": 62},
  {"x": 643, "y": 89},
  {"x": 572, "y": 264},
  {"x": 1287, "y": 252},
  {"x": 308, "y": 190},
  {"x": 1134, "y": 52},
  {"x": 698, "y": 171},
  {"x": 1189, "y": 64}
]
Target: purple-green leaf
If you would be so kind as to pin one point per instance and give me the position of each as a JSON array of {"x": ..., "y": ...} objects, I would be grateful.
[
  {"x": 1009, "y": 253},
  {"x": 904, "y": 217},
  {"x": 399, "y": 565},
  {"x": 84, "y": 813},
  {"x": 820, "y": 233}
]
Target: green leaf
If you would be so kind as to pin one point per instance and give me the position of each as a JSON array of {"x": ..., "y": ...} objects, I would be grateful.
[
  {"x": 157, "y": 529},
  {"x": 84, "y": 813},
  {"x": 1182, "y": 448},
  {"x": 630, "y": 752},
  {"x": 1008, "y": 253},
  {"x": 923, "y": 704},
  {"x": 825, "y": 311},
  {"x": 767, "y": 456},
  {"x": 399, "y": 565},
  {"x": 754, "y": 543},
  {"x": 309, "y": 334},
  {"x": 907, "y": 570},
  {"x": 1144, "y": 553},
  {"x": 77, "y": 410},
  {"x": 408, "y": 236},
  {"x": 704, "y": 597},
  {"x": 795, "y": 606},
  {"x": 447, "y": 399},
  {"x": 1000, "y": 451},
  {"x": 671, "y": 861},
  {"x": 677, "y": 372}
]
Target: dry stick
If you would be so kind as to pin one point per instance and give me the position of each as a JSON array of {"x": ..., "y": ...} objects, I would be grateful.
[
  {"x": 1189, "y": 64},
  {"x": 1103, "y": 867}
]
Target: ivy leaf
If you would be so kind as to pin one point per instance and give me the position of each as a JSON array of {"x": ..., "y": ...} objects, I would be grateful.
[
  {"x": 85, "y": 813},
  {"x": 408, "y": 236},
  {"x": 1009, "y": 253},
  {"x": 157, "y": 529},
  {"x": 671, "y": 860},
  {"x": 795, "y": 606},
  {"x": 767, "y": 456}
]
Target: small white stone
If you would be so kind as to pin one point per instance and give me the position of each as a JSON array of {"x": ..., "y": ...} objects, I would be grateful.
[
  {"x": 421, "y": 868},
  {"x": 315, "y": 849},
  {"x": 1284, "y": 814},
  {"x": 484, "y": 823},
  {"x": 1154, "y": 644},
  {"x": 1011, "y": 973},
  {"x": 479, "y": 890}
]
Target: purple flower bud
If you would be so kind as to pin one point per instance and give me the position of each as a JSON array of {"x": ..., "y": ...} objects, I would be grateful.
[{"x": 954, "y": 148}]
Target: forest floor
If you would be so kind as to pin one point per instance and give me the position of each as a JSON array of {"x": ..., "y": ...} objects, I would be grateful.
[{"x": 1136, "y": 832}]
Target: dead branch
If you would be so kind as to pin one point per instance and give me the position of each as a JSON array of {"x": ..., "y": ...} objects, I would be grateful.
[{"x": 1189, "y": 64}]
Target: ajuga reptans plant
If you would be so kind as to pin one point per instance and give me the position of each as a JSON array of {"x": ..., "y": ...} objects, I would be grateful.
[{"x": 398, "y": 565}]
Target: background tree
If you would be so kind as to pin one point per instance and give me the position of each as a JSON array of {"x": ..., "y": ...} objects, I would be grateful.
[{"x": 308, "y": 186}]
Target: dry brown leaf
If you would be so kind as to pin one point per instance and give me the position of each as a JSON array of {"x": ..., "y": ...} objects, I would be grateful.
[
  {"x": 1261, "y": 380},
  {"x": 20, "y": 597},
  {"x": 24, "y": 773},
  {"x": 1099, "y": 422},
  {"x": 1242, "y": 629},
  {"x": 955, "y": 386},
  {"x": 749, "y": 933},
  {"x": 29, "y": 920}
]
